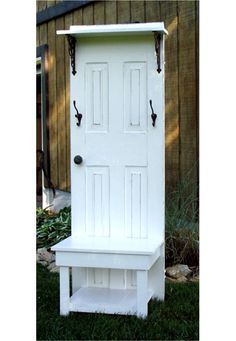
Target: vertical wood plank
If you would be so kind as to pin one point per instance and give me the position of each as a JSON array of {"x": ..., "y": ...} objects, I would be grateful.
[
  {"x": 88, "y": 15},
  {"x": 43, "y": 32},
  {"x": 68, "y": 22},
  {"x": 61, "y": 116},
  {"x": 42, "y": 5},
  {"x": 52, "y": 96},
  {"x": 187, "y": 89},
  {"x": 77, "y": 17},
  {"x": 110, "y": 12},
  {"x": 123, "y": 12},
  {"x": 197, "y": 80},
  {"x": 152, "y": 11},
  {"x": 99, "y": 13},
  {"x": 37, "y": 36},
  {"x": 169, "y": 15},
  {"x": 51, "y": 3},
  {"x": 137, "y": 11}
]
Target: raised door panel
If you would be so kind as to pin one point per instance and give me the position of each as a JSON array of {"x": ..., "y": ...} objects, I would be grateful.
[
  {"x": 97, "y": 201},
  {"x": 136, "y": 196},
  {"x": 96, "y": 90},
  {"x": 135, "y": 96}
]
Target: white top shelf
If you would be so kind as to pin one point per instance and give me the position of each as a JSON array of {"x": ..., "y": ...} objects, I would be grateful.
[
  {"x": 108, "y": 245},
  {"x": 117, "y": 29}
]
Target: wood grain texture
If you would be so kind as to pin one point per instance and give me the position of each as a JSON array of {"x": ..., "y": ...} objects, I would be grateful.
[
  {"x": 52, "y": 95},
  {"x": 197, "y": 80},
  {"x": 137, "y": 11},
  {"x": 61, "y": 115},
  {"x": 43, "y": 32},
  {"x": 77, "y": 17},
  {"x": 38, "y": 36},
  {"x": 187, "y": 88},
  {"x": 99, "y": 13},
  {"x": 111, "y": 12},
  {"x": 152, "y": 12},
  {"x": 88, "y": 15},
  {"x": 169, "y": 14},
  {"x": 41, "y": 5},
  {"x": 123, "y": 12},
  {"x": 50, "y": 3}
]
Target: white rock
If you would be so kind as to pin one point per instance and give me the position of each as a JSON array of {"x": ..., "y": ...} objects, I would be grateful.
[
  {"x": 44, "y": 255},
  {"x": 195, "y": 279},
  {"x": 61, "y": 200},
  {"x": 51, "y": 266},
  {"x": 181, "y": 279},
  {"x": 55, "y": 269},
  {"x": 43, "y": 262},
  {"x": 178, "y": 271}
]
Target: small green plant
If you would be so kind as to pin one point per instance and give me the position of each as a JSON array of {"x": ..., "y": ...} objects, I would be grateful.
[
  {"x": 52, "y": 227},
  {"x": 182, "y": 232}
]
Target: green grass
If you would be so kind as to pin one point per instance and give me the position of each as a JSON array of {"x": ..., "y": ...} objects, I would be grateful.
[{"x": 175, "y": 319}]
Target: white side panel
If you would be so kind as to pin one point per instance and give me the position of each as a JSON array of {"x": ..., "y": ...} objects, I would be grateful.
[
  {"x": 117, "y": 279},
  {"x": 131, "y": 281},
  {"x": 98, "y": 277}
]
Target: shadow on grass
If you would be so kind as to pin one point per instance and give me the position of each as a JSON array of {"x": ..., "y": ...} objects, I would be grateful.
[{"x": 175, "y": 319}]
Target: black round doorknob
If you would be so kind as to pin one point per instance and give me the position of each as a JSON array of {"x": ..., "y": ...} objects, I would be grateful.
[{"x": 78, "y": 159}]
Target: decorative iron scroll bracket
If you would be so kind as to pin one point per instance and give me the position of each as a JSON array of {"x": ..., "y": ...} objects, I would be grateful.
[
  {"x": 71, "y": 44},
  {"x": 157, "y": 38}
]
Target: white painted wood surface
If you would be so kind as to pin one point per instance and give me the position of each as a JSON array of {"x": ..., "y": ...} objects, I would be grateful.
[
  {"x": 116, "y": 250},
  {"x": 142, "y": 293},
  {"x": 118, "y": 189},
  {"x": 97, "y": 30},
  {"x": 64, "y": 290},
  {"x": 109, "y": 245}
]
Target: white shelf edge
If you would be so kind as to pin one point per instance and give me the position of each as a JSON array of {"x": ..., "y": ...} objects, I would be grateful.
[
  {"x": 114, "y": 29},
  {"x": 108, "y": 245}
]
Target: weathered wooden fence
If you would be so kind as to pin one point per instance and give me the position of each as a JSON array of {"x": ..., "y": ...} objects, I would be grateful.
[{"x": 181, "y": 21}]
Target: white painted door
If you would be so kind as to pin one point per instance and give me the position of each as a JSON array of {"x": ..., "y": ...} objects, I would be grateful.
[{"x": 118, "y": 189}]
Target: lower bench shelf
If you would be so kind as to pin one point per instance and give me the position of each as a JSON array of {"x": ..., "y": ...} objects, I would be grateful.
[{"x": 104, "y": 300}]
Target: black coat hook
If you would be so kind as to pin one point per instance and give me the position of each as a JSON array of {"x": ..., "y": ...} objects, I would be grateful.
[
  {"x": 78, "y": 114},
  {"x": 153, "y": 115}
]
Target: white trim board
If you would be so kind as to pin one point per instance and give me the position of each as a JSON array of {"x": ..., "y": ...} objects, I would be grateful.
[{"x": 117, "y": 29}]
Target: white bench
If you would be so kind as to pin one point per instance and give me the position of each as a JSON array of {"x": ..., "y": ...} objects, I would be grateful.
[{"x": 142, "y": 255}]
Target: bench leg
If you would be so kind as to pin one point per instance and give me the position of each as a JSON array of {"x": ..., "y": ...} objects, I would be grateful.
[
  {"x": 158, "y": 270},
  {"x": 142, "y": 291},
  {"x": 64, "y": 290}
]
